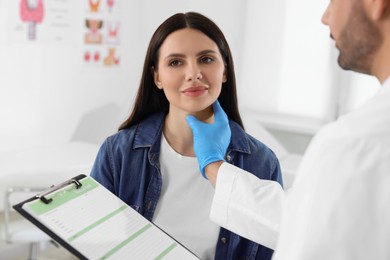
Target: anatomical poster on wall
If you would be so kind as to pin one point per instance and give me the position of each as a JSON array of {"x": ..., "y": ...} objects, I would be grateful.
[
  {"x": 40, "y": 21},
  {"x": 102, "y": 32},
  {"x": 94, "y": 27}
]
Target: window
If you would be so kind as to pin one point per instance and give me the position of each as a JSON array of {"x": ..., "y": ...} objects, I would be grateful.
[{"x": 288, "y": 73}]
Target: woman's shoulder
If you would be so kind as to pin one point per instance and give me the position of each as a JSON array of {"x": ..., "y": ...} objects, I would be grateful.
[
  {"x": 253, "y": 155},
  {"x": 246, "y": 142},
  {"x": 256, "y": 143},
  {"x": 140, "y": 132},
  {"x": 118, "y": 142},
  {"x": 258, "y": 148},
  {"x": 122, "y": 136}
]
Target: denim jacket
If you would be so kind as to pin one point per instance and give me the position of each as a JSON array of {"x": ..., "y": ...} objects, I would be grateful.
[{"x": 128, "y": 165}]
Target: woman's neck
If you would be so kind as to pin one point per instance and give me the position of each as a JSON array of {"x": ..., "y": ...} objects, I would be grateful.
[{"x": 178, "y": 133}]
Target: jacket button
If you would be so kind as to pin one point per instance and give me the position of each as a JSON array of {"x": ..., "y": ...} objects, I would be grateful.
[
  {"x": 228, "y": 157},
  {"x": 223, "y": 240}
]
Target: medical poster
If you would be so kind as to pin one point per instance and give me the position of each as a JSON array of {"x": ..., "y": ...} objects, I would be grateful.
[
  {"x": 102, "y": 32},
  {"x": 92, "y": 26},
  {"x": 42, "y": 22}
]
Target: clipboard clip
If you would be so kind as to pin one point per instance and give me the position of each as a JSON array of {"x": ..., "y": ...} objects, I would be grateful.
[{"x": 53, "y": 188}]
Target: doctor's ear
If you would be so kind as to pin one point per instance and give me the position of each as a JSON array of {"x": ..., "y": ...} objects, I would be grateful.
[{"x": 378, "y": 9}]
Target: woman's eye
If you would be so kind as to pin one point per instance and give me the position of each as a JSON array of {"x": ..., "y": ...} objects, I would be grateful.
[
  {"x": 174, "y": 63},
  {"x": 206, "y": 59}
]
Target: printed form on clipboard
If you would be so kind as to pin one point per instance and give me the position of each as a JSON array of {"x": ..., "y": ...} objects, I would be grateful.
[{"x": 92, "y": 223}]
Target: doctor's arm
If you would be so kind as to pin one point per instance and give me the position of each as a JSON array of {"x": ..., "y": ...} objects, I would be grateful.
[
  {"x": 248, "y": 206},
  {"x": 242, "y": 203}
]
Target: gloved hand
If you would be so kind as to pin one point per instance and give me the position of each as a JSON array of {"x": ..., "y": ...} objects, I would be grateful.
[{"x": 210, "y": 140}]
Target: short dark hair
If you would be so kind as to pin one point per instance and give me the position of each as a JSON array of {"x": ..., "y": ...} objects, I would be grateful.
[{"x": 150, "y": 99}]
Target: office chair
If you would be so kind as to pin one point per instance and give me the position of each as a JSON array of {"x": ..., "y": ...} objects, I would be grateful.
[{"x": 16, "y": 228}]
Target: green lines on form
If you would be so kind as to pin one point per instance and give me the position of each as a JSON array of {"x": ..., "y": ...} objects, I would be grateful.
[
  {"x": 166, "y": 251},
  {"x": 90, "y": 227},
  {"x": 132, "y": 237}
]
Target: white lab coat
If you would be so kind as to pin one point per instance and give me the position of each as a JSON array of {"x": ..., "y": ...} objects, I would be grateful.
[{"x": 339, "y": 206}]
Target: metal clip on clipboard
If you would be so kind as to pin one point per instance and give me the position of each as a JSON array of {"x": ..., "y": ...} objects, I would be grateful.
[{"x": 75, "y": 180}]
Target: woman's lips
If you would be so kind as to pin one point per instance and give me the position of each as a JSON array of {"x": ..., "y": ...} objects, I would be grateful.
[{"x": 194, "y": 91}]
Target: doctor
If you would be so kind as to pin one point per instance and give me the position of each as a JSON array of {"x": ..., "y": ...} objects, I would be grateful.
[{"x": 339, "y": 206}]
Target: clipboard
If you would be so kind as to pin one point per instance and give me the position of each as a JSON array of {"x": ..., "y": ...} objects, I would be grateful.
[{"x": 92, "y": 223}]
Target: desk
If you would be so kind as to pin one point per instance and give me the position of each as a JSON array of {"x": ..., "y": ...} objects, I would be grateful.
[{"x": 41, "y": 167}]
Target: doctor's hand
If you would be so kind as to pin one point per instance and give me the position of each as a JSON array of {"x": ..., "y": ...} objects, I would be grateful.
[{"x": 210, "y": 140}]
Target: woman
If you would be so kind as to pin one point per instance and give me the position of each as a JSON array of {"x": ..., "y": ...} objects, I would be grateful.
[{"x": 150, "y": 163}]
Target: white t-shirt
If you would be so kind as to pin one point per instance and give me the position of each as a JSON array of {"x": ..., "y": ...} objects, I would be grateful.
[{"x": 183, "y": 208}]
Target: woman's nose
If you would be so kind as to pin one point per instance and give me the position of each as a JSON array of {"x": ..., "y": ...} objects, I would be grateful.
[{"x": 193, "y": 73}]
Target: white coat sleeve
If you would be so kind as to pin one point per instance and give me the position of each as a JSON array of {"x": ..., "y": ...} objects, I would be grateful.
[{"x": 247, "y": 205}]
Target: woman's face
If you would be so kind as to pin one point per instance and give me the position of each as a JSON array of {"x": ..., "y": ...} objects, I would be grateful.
[{"x": 190, "y": 71}]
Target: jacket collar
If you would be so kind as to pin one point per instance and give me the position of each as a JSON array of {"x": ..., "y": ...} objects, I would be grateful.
[{"x": 148, "y": 132}]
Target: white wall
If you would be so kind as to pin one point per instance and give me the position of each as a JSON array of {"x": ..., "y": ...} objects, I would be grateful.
[
  {"x": 288, "y": 77},
  {"x": 287, "y": 63}
]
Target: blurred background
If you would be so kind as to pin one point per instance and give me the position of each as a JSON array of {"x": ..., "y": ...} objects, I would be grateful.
[{"x": 69, "y": 71}]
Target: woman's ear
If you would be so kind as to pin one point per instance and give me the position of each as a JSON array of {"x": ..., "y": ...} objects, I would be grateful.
[
  {"x": 156, "y": 79},
  {"x": 224, "y": 79}
]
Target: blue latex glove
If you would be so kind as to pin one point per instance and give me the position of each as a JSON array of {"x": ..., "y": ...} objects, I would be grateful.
[{"x": 210, "y": 140}]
